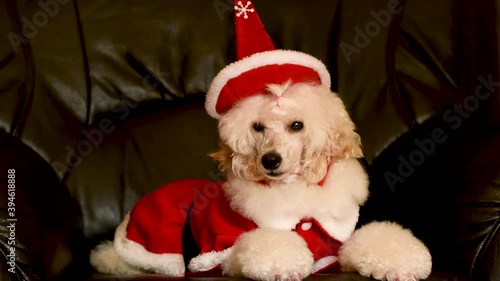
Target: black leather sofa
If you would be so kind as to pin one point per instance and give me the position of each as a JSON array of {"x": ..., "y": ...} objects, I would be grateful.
[{"x": 102, "y": 102}]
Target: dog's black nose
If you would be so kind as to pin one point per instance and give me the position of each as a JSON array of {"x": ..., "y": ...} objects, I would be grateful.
[{"x": 271, "y": 160}]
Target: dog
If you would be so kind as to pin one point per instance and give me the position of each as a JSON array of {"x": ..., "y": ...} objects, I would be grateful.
[{"x": 291, "y": 156}]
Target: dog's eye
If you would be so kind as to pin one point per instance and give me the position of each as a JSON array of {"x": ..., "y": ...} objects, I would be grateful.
[
  {"x": 296, "y": 126},
  {"x": 258, "y": 127}
]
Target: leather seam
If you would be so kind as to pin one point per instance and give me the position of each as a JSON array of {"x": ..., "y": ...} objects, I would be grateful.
[
  {"x": 25, "y": 101},
  {"x": 88, "y": 82},
  {"x": 393, "y": 39},
  {"x": 485, "y": 245}
]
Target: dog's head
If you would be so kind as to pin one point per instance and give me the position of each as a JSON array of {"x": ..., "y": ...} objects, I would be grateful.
[{"x": 292, "y": 131}]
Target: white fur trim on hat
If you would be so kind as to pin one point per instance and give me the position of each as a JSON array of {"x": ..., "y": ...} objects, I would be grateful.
[
  {"x": 136, "y": 255},
  {"x": 257, "y": 60}
]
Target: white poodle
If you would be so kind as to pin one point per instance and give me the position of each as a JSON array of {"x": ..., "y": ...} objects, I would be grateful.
[
  {"x": 291, "y": 160},
  {"x": 292, "y": 139}
]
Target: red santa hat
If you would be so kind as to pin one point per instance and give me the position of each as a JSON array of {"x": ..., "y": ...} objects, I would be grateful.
[{"x": 258, "y": 64}]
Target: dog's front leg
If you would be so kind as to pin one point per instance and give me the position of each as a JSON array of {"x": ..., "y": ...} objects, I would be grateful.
[
  {"x": 386, "y": 251},
  {"x": 269, "y": 254}
]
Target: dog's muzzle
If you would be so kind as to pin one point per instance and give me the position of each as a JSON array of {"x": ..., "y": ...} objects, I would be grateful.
[{"x": 271, "y": 161}]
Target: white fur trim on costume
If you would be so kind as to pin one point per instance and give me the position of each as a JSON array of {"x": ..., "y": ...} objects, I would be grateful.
[
  {"x": 105, "y": 260},
  {"x": 335, "y": 205},
  {"x": 348, "y": 183},
  {"x": 324, "y": 263},
  {"x": 136, "y": 255},
  {"x": 208, "y": 261},
  {"x": 260, "y": 59}
]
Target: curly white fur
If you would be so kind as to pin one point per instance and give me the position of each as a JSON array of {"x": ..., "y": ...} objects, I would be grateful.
[
  {"x": 327, "y": 135},
  {"x": 386, "y": 251},
  {"x": 380, "y": 250},
  {"x": 251, "y": 257},
  {"x": 281, "y": 206},
  {"x": 326, "y": 147}
]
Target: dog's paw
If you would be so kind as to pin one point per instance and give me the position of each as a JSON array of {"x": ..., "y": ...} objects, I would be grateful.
[
  {"x": 269, "y": 254},
  {"x": 386, "y": 251}
]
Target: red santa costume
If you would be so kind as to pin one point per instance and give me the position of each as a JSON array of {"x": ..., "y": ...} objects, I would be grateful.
[{"x": 150, "y": 237}]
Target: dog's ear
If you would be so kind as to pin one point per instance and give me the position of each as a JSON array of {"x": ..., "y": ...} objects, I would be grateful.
[
  {"x": 342, "y": 139},
  {"x": 223, "y": 156},
  {"x": 315, "y": 165},
  {"x": 344, "y": 142},
  {"x": 235, "y": 129},
  {"x": 331, "y": 136}
]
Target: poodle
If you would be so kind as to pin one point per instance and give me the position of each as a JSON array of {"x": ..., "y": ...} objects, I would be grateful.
[
  {"x": 292, "y": 138},
  {"x": 291, "y": 159}
]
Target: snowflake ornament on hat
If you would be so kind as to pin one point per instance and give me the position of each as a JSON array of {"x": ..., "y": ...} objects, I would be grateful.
[{"x": 258, "y": 65}]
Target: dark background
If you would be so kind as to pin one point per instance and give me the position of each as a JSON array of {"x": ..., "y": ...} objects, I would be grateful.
[{"x": 102, "y": 102}]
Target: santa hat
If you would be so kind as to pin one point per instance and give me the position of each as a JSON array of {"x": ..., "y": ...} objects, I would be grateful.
[{"x": 258, "y": 64}]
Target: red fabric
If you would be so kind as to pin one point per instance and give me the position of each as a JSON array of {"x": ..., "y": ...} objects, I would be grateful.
[
  {"x": 255, "y": 81},
  {"x": 322, "y": 181},
  {"x": 319, "y": 242},
  {"x": 157, "y": 221},
  {"x": 215, "y": 226},
  {"x": 251, "y": 36},
  {"x": 162, "y": 213}
]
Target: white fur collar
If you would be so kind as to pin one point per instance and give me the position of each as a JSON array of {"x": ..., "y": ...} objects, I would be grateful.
[{"x": 335, "y": 205}]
